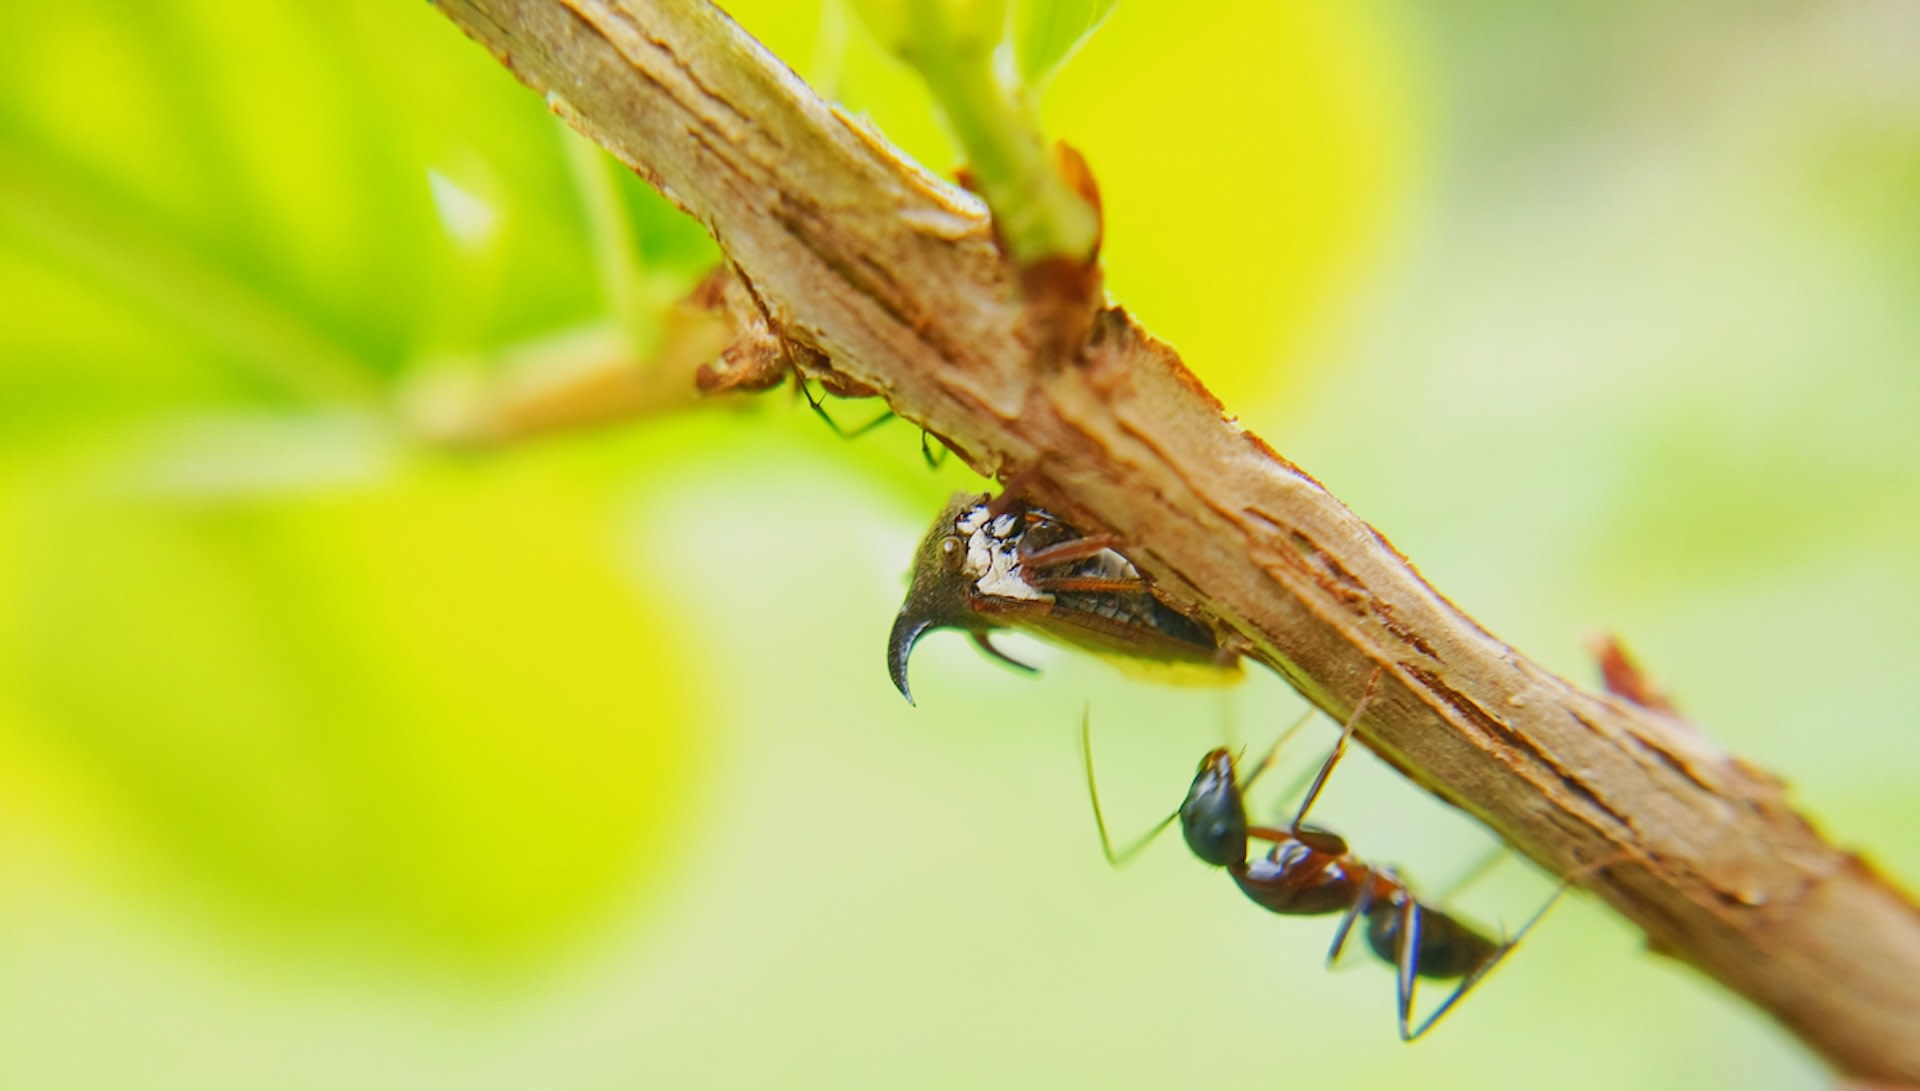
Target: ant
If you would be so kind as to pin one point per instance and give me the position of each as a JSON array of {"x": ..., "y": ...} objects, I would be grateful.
[
  {"x": 761, "y": 357},
  {"x": 933, "y": 451},
  {"x": 1311, "y": 872}
]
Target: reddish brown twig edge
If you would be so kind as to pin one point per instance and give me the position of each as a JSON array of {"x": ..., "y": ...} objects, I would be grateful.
[{"x": 893, "y": 275}]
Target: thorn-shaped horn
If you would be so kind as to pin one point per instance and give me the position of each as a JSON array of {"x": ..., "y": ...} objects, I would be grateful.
[
  {"x": 937, "y": 597},
  {"x": 907, "y": 631}
]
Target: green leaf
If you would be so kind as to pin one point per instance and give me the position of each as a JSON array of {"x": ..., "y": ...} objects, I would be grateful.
[{"x": 1047, "y": 33}]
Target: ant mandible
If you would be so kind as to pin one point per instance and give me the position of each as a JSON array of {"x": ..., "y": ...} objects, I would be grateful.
[{"x": 1311, "y": 872}]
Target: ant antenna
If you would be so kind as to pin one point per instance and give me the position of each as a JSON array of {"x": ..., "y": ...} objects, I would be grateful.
[
  {"x": 1474, "y": 874},
  {"x": 1123, "y": 857},
  {"x": 1126, "y": 855}
]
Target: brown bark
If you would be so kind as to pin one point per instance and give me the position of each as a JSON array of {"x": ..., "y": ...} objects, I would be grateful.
[{"x": 894, "y": 277}]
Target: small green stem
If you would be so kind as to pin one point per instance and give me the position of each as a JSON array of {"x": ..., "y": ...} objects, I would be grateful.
[{"x": 1037, "y": 213}]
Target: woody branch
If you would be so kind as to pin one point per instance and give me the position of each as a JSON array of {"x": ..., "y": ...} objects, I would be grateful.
[{"x": 866, "y": 264}]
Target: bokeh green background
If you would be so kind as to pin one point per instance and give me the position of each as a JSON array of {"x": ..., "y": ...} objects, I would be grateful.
[{"x": 334, "y": 757}]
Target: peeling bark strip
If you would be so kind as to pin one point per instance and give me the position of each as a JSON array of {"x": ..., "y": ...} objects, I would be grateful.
[{"x": 895, "y": 278}]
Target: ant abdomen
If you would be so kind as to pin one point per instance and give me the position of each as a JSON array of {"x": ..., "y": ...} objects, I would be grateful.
[{"x": 1446, "y": 948}]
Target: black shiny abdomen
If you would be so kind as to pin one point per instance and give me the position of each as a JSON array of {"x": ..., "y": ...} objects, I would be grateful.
[{"x": 1448, "y": 949}]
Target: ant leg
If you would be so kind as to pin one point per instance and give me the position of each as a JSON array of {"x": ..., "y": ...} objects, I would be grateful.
[
  {"x": 1300, "y": 785},
  {"x": 876, "y": 422},
  {"x": 1273, "y": 752},
  {"x": 1114, "y": 859},
  {"x": 1339, "y": 749},
  {"x": 1470, "y": 876},
  {"x": 1230, "y": 715},
  {"x": 1406, "y": 964},
  {"x": 1453, "y": 998},
  {"x": 1362, "y": 902},
  {"x": 933, "y": 461},
  {"x": 818, "y": 405},
  {"x": 1481, "y": 971}
]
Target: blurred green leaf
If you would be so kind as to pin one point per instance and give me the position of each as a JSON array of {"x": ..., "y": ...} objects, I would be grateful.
[
  {"x": 281, "y": 206},
  {"x": 345, "y": 691},
  {"x": 427, "y": 711}
]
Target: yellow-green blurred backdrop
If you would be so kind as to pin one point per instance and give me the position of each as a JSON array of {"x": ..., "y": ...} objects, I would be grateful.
[{"x": 331, "y": 756}]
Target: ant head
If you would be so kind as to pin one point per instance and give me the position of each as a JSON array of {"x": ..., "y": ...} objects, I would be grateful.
[{"x": 1213, "y": 819}]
